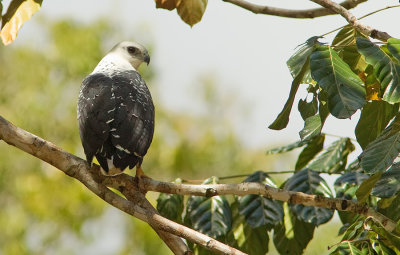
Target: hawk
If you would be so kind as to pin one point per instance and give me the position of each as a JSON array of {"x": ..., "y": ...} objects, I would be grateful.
[{"x": 116, "y": 111}]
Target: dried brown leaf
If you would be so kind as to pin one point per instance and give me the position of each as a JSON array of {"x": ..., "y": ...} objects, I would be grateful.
[
  {"x": 191, "y": 11},
  {"x": 166, "y": 4},
  {"x": 18, "y": 12}
]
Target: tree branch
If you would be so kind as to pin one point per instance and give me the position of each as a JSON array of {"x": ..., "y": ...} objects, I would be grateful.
[
  {"x": 288, "y": 13},
  {"x": 133, "y": 194},
  {"x": 352, "y": 20},
  {"x": 138, "y": 206},
  {"x": 247, "y": 188},
  {"x": 90, "y": 177}
]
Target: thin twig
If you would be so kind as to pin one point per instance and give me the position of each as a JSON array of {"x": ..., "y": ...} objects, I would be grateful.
[
  {"x": 379, "y": 10},
  {"x": 362, "y": 17},
  {"x": 247, "y": 188},
  {"x": 289, "y": 13},
  {"x": 352, "y": 20},
  {"x": 338, "y": 136},
  {"x": 238, "y": 176}
]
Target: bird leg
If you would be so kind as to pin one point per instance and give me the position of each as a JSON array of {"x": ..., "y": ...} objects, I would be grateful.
[
  {"x": 139, "y": 177},
  {"x": 139, "y": 172}
]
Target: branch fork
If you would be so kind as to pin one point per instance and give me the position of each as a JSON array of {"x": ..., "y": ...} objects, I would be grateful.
[{"x": 328, "y": 8}]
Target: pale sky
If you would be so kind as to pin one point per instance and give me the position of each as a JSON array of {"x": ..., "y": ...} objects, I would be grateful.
[{"x": 246, "y": 53}]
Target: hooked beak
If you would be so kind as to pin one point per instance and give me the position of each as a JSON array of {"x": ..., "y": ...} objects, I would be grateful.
[{"x": 146, "y": 58}]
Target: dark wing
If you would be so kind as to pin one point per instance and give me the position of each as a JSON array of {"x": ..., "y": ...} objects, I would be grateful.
[
  {"x": 95, "y": 106},
  {"x": 133, "y": 128},
  {"x": 116, "y": 119}
]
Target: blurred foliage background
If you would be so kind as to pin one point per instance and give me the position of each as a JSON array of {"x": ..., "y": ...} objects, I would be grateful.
[{"x": 44, "y": 211}]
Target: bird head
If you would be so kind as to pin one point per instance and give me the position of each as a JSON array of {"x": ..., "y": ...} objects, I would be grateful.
[{"x": 132, "y": 52}]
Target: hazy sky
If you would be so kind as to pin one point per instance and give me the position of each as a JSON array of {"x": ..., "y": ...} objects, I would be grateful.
[{"x": 246, "y": 53}]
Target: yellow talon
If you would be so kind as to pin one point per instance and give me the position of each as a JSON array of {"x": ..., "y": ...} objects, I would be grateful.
[{"x": 139, "y": 172}]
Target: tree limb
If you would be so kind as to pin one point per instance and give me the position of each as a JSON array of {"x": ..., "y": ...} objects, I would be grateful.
[
  {"x": 138, "y": 206},
  {"x": 90, "y": 177},
  {"x": 288, "y": 13},
  {"x": 247, "y": 188},
  {"x": 352, "y": 20}
]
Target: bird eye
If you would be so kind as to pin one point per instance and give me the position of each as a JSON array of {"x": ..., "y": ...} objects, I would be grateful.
[{"x": 132, "y": 50}]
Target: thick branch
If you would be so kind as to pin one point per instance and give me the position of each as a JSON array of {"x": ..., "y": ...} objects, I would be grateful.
[
  {"x": 247, "y": 188},
  {"x": 288, "y": 13},
  {"x": 141, "y": 208},
  {"x": 352, "y": 20},
  {"x": 131, "y": 191},
  {"x": 78, "y": 169}
]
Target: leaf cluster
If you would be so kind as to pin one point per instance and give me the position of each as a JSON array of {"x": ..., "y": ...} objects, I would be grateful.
[
  {"x": 247, "y": 222},
  {"x": 351, "y": 74}
]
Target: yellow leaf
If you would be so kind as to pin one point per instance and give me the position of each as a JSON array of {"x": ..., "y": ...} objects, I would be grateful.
[
  {"x": 166, "y": 4},
  {"x": 373, "y": 92},
  {"x": 18, "y": 12},
  {"x": 191, "y": 11}
]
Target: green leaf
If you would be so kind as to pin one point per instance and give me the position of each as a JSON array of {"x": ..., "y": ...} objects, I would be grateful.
[
  {"x": 385, "y": 69},
  {"x": 353, "y": 58},
  {"x": 392, "y": 211},
  {"x": 170, "y": 206},
  {"x": 345, "y": 43},
  {"x": 393, "y": 240},
  {"x": 381, "y": 249},
  {"x": 372, "y": 85},
  {"x": 283, "y": 117},
  {"x": 286, "y": 148},
  {"x": 210, "y": 215},
  {"x": 344, "y": 88},
  {"x": 244, "y": 237},
  {"x": 252, "y": 240},
  {"x": 394, "y": 47},
  {"x": 313, "y": 125},
  {"x": 354, "y": 166},
  {"x": 309, "y": 152},
  {"x": 345, "y": 188},
  {"x": 293, "y": 235},
  {"x": 355, "y": 230},
  {"x": 345, "y": 37},
  {"x": 347, "y": 184},
  {"x": 392, "y": 92},
  {"x": 297, "y": 61},
  {"x": 309, "y": 182},
  {"x": 374, "y": 117},
  {"x": 366, "y": 186},
  {"x": 308, "y": 109},
  {"x": 191, "y": 11},
  {"x": 356, "y": 239},
  {"x": 18, "y": 12},
  {"x": 299, "y": 66},
  {"x": 381, "y": 153},
  {"x": 347, "y": 248},
  {"x": 334, "y": 158},
  {"x": 259, "y": 210},
  {"x": 389, "y": 183}
]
